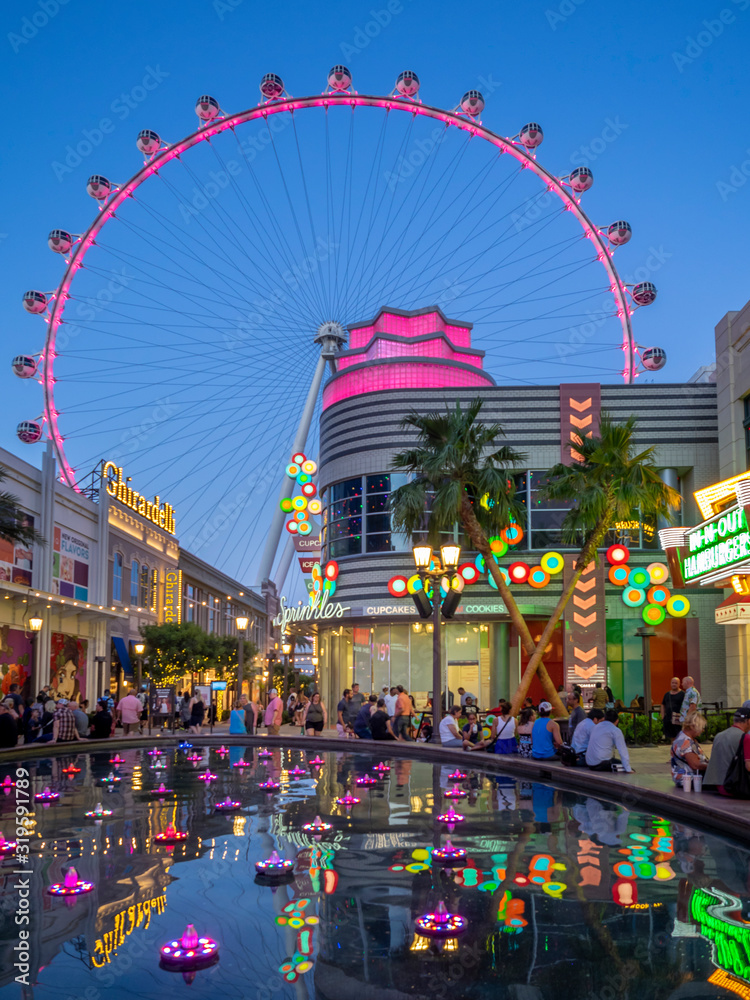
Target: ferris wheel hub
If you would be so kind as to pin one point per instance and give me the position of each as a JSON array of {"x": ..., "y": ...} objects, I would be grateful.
[{"x": 331, "y": 336}]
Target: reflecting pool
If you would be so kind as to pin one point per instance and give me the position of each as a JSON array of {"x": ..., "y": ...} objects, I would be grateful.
[{"x": 537, "y": 894}]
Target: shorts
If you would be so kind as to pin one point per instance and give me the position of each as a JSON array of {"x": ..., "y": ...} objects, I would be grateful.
[
  {"x": 272, "y": 730},
  {"x": 128, "y": 727},
  {"x": 506, "y": 746},
  {"x": 402, "y": 725},
  {"x": 317, "y": 727}
]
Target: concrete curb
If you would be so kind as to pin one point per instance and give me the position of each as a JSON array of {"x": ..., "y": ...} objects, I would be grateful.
[{"x": 702, "y": 810}]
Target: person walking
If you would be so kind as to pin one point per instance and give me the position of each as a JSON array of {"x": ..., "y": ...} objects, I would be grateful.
[
  {"x": 403, "y": 714},
  {"x": 250, "y": 712},
  {"x": 185, "y": 709},
  {"x": 670, "y": 708},
  {"x": 129, "y": 712},
  {"x": 274, "y": 713},
  {"x": 343, "y": 729},
  {"x": 197, "y": 713},
  {"x": 691, "y": 703},
  {"x": 545, "y": 735},
  {"x": 291, "y": 703},
  {"x": 362, "y": 723},
  {"x": 604, "y": 739},
  {"x": 390, "y": 702},
  {"x": 299, "y": 710},
  {"x": 380, "y": 723},
  {"x": 315, "y": 717},
  {"x": 724, "y": 748}
]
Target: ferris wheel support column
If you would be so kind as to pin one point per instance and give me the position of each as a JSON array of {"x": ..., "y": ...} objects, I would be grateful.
[{"x": 330, "y": 336}]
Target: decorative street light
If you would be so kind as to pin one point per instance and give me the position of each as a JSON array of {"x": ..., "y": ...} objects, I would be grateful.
[
  {"x": 286, "y": 648},
  {"x": 35, "y": 624},
  {"x": 242, "y": 622},
  {"x": 434, "y": 570},
  {"x": 140, "y": 649}
]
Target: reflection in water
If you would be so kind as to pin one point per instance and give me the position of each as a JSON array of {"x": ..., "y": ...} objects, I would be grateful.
[{"x": 560, "y": 897}]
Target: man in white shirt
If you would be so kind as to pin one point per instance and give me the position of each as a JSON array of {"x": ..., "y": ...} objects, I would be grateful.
[
  {"x": 604, "y": 739},
  {"x": 582, "y": 732},
  {"x": 464, "y": 695},
  {"x": 390, "y": 702}
]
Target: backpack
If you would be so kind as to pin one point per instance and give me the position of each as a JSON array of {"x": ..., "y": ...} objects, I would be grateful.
[{"x": 737, "y": 779}]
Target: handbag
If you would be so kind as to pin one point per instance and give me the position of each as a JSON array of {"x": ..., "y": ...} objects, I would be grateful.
[{"x": 737, "y": 779}]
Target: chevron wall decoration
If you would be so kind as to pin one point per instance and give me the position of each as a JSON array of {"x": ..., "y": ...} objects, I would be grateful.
[
  {"x": 585, "y": 645},
  {"x": 580, "y": 409}
]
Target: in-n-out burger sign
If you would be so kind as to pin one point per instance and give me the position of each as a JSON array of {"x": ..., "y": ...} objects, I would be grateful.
[
  {"x": 161, "y": 514},
  {"x": 320, "y": 608}
]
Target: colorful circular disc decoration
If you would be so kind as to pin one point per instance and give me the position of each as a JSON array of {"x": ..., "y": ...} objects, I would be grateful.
[
  {"x": 657, "y": 595},
  {"x": 299, "y": 458},
  {"x": 310, "y": 467},
  {"x": 469, "y": 572},
  {"x": 634, "y": 597},
  {"x": 304, "y": 527},
  {"x": 538, "y": 578},
  {"x": 618, "y": 575},
  {"x": 504, "y": 572},
  {"x": 397, "y": 586},
  {"x": 299, "y": 503},
  {"x": 300, "y": 515},
  {"x": 458, "y": 583},
  {"x": 315, "y": 506},
  {"x": 639, "y": 577},
  {"x": 292, "y": 527},
  {"x": 617, "y": 554},
  {"x": 519, "y": 572},
  {"x": 309, "y": 489},
  {"x": 479, "y": 562},
  {"x": 329, "y": 586},
  {"x": 413, "y": 584},
  {"x": 498, "y": 545},
  {"x": 552, "y": 563},
  {"x": 292, "y": 470},
  {"x": 303, "y": 478},
  {"x": 513, "y": 534},
  {"x": 658, "y": 572},
  {"x": 654, "y": 614},
  {"x": 678, "y": 606},
  {"x": 286, "y": 505},
  {"x": 331, "y": 571}
]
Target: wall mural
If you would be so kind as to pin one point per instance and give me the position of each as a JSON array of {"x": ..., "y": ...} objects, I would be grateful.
[
  {"x": 68, "y": 659},
  {"x": 15, "y": 659}
]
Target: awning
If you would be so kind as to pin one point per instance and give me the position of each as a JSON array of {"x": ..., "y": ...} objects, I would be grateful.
[
  {"x": 124, "y": 657},
  {"x": 735, "y": 610}
]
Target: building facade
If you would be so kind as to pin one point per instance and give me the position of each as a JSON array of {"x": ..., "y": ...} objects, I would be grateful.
[{"x": 404, "y": 361}]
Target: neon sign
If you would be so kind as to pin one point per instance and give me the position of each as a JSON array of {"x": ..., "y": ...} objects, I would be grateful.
[
  {"x": 160, "y": 514},
  {"x": 717, "y": 543},
  {"x": 717, "y": 914},
  {"x": 136, "y": 916},
  {"x": 318, "y": 608}
]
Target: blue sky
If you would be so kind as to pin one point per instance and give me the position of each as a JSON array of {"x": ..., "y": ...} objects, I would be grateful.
[{"x": 653, "y": 98}]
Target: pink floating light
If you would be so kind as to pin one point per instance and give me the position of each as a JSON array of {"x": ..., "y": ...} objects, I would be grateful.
[
  {"x": 46, "y": 796},
  {"x": 347, "y": 800},
  {"x": 71, "y": 770},
  {"x": 317, "y": 826},
  {"x": 170, "y": 836},
  {"x": 453, "y": 857},
  {"x": 153, "y": 753},
  {"x": 274, "y": 866},
  {"x": 9, "y": 846},
  {"x": 317, "y": 761},
  {"x": 194, "y": 757},
  {"x": 207, "y": 776},
  {"x": 269, "y": 786},
  {"x": 265, "y": 753},
  {"x": 160, "y": 792},
  {"x": 450, "y": 818},
  {"x": 99, "y": 812},
  {"x": 111, "y": 779},
  {"x": 117, "y": 759},
  {"x": 457, "y": 776},
  {"x": 441, "y": 923},
  {"x": 242, "y": 763},
  {"x": 382, "y": 768},
  {"x": 222, "y": 751},
  {"x": 6, "y": 785},
  {"x": 297, "y": 772},
  {"x": 228, "y": 805},
  {"x": 71, "y": 885},
  {"x": 455, "y": 793},
  {"x": 189, "y": 953},
  {"x": 366, "y": 779}
]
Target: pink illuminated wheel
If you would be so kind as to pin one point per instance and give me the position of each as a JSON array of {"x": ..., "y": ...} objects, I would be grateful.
[{"x": 206, "y": 275}]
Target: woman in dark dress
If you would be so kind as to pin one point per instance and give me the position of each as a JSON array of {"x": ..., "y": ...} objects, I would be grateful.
[{"x": 197, "y": 713}]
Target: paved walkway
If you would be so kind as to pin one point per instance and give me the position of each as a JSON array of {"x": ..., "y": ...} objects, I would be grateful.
[{"x": 650, "y": 788}]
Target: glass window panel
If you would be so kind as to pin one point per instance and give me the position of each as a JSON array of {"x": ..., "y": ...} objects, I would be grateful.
[
  {"x": 345, "y": 508},
  {"x": 377, "y": 503},
  {"x": 144, "y": 585},
  {"x": 346, "y": 547},
  {"x": 362, "y": 639},
  {"x": 379, "y": 543},
  {"x": 386, "y": 482},
  {"x": 399, "y": 656},
  {"x": 381, "y": 657},
  {"x": 420, "y": 682},
  {"x": 547, "y": 519},
  {"x": 549, "y": 540},
  {"x": 352, "y": 526},
  {"x": 349, "y": 488},
  {"x": 117, "y": 577},
  {"x": 378, "y": 522},
  {"x": 134, "y": 576}
]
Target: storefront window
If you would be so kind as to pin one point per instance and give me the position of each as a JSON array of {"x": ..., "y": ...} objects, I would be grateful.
[
  {"x": 381, "y": 658},
  {"x": 399, "y": 656},
  {"x": 462, "y": 659},
  {"x": 420, "y": 683},
  {"x": 357, "y": 513},
  {"x": 362, "y": 665}
]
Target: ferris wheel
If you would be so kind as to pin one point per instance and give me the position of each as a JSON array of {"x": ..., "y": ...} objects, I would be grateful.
[{"x": 195, "y": 314}]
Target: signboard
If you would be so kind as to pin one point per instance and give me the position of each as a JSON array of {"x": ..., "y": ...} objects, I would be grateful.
[
  {"x": 173, "y": 597},
  {"x": 70, "y": 565},
  {"x": 719, "y": 543},
  {"x": 309, "y": 544},
  {"x": 218, "y": 685},
  {"x": 160, "y": 514},
  {"x": 163, "y": 700},
  {"x": 17, "y": 559},
  {"x": 306, "y": 563},
  {"x": 320, "y": 608}
]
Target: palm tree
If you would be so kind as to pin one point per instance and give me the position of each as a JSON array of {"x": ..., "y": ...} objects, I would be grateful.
[
  {"x": 608, "y": 481},
  {"x": 456, "y": 463},
  {"x": 14, "y": 525}
]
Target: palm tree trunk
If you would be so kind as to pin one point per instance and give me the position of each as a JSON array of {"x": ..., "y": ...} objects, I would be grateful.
[
  {"x": 586, "y": 555},
  {"x": 479, "y": 540}
]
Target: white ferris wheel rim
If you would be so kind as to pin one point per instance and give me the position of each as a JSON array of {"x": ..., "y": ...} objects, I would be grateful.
[{"x": 464, "y": 122}]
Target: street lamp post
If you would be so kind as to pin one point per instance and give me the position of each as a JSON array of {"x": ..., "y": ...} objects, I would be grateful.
[
  {"x": 286, "y": 648},
  {"x": 35, "y": 624},
  {"x": 242, "y": 623},
  {"x": 433, "y": 570},
  {"x": 140, "y": 649}
]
